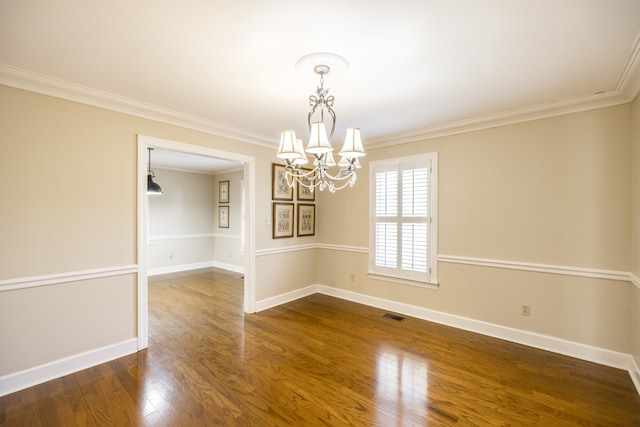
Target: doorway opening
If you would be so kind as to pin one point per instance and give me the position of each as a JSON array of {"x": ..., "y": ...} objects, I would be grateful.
[{"x": 248, "y": 228}]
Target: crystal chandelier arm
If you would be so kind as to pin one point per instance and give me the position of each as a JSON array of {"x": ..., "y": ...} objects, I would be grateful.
[
  {"x": 343, "y": 174},
  {"x": 309, "y": 180},
  {"x": 296, "y": 172}
]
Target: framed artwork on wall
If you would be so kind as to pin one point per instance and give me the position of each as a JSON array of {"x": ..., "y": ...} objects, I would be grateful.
[
  {"x": 305, "y": 194},
  {"x": 223, "y": 216},
  {"x": 282, "y": 220},
  {"x": 306, "y": 219},
  {"x": 280, "y": 189},
  {"x": 223, "y": 191}
]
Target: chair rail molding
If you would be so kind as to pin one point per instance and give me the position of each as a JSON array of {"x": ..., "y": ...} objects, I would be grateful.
[
  {"x": 70, "y": 276},
  {"x": 623, "y": 276}
]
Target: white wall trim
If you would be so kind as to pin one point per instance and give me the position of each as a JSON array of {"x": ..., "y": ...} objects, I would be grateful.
[
  {"x": 285, "y": 298},
  {"x": 286, "y": 249},
  {"x": 181, "y": 236},
  {"x": 227, "y": 236},
  {"x": 68, "y": 365},
  {"x": 506, "y": 118},
  {"x": 623, "y": 276},
  {"x": 295, "y": 248},
  {"x": 195, "y": 236},
  {"x": 532, "y": 339},
  {"x": 626, "y": 91},
  {"x": 178, "y": 268},
  {"x": 634, "y": 371},
  {"x": 195, "y": 266},
  {"x": 343, "y": 248},
  {"x": 38, "y": 83},
  {"x": 67, "y": 277},
  {"x": 539, "y": 268},
  {"x": 250, "y": 180},
  {"x": 545, "y": 342},
  {"x": 231, "y": 267}
]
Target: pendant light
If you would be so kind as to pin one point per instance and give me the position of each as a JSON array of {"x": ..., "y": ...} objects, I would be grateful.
[{"x": 152, "y": 187}]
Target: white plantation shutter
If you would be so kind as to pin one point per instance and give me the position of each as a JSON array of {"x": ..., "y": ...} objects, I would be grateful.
[
  {"x": 386, "y": 249},
  {"x": 403, "y": 243},
  {"x": 414, "y": 218},
  {"x": 387, "y": 244}
]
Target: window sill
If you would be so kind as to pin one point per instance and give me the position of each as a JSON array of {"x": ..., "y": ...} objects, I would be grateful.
[{"x": 402, "y": 281}]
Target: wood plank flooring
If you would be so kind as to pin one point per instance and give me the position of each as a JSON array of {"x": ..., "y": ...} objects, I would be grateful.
[{"x": 319, "y": 361}]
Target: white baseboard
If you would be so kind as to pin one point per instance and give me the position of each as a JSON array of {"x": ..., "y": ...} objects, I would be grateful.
[
  {"x": 285, "y": 298},
  {"x": 59, "y": 368},
  {"x": 634, "y": 371},
  {"x": 544, "y": 342},
  {"x": 195, "y": 266},
  {"x": 178, "y": 268},
  {"x": 231, "y": 267}
]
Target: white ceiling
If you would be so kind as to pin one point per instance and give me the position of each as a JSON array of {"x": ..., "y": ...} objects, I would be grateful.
[{"x": 416, "y": 66}]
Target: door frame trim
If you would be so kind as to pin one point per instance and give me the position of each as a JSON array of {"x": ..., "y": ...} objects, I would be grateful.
[{"x": 144, "y": 142}]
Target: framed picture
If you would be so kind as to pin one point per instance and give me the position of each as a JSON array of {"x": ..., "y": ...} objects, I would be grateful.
[
  {"x": 303, "y": 192},
  {"x": 306, "y": 219},
  {"x": 282, "y": 220},
  {"x": 223, "y": 216},
  {"x": 223, "y": 187},
  {"x": 280, "y": 189}
]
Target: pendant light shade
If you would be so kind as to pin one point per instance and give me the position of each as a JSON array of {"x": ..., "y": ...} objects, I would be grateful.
[
  {"x": 289, "y": 147},
  {"x": 318, "y": 141},
  {"x": 352, "y": 144},
  {"x": 152, "y": 187},
  {"x": 303, "y": 160}
]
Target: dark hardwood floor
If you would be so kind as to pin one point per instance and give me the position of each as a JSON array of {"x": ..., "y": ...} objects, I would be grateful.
[{"x": 319, "y": 361}]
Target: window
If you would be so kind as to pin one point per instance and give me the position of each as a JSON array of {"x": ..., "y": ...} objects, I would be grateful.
[{"x": 403, "y": 213}]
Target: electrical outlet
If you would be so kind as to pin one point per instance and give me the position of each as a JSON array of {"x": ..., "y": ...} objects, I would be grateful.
[{"x": 525, "y": 310}]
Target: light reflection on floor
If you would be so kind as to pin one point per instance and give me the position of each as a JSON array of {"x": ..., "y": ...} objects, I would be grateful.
[
  {"x": 156, "y": 396},
  {"x": 401, "y": 385}
]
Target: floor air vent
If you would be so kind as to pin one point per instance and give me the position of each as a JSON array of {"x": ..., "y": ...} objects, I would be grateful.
[{"x": 394, "y": 317}]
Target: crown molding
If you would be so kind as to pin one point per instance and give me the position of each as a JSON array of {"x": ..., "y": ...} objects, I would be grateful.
[
  {"x": 26, "y": 80},
  {"x": 629, "y": 82},
  {"x": 626, "y": 91},
  {"x": 576, "y": 105}
]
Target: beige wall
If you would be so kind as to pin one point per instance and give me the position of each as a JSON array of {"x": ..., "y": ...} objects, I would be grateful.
[
  {"x": 555, "y": 191},
  {"x": 68, "y": 180},
  {"x": 228, "y": 249},
  {"x": 43, "y": 324},
  {"x": 635, "y": 167},
  {"x": 186, "y": 208}
]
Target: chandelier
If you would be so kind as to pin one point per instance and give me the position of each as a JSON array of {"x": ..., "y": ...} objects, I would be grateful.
[{"x": 324, "y": 173}]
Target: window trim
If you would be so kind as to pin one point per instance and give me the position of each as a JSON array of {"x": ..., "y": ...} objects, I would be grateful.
[{"x": 395, "y": 276}]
